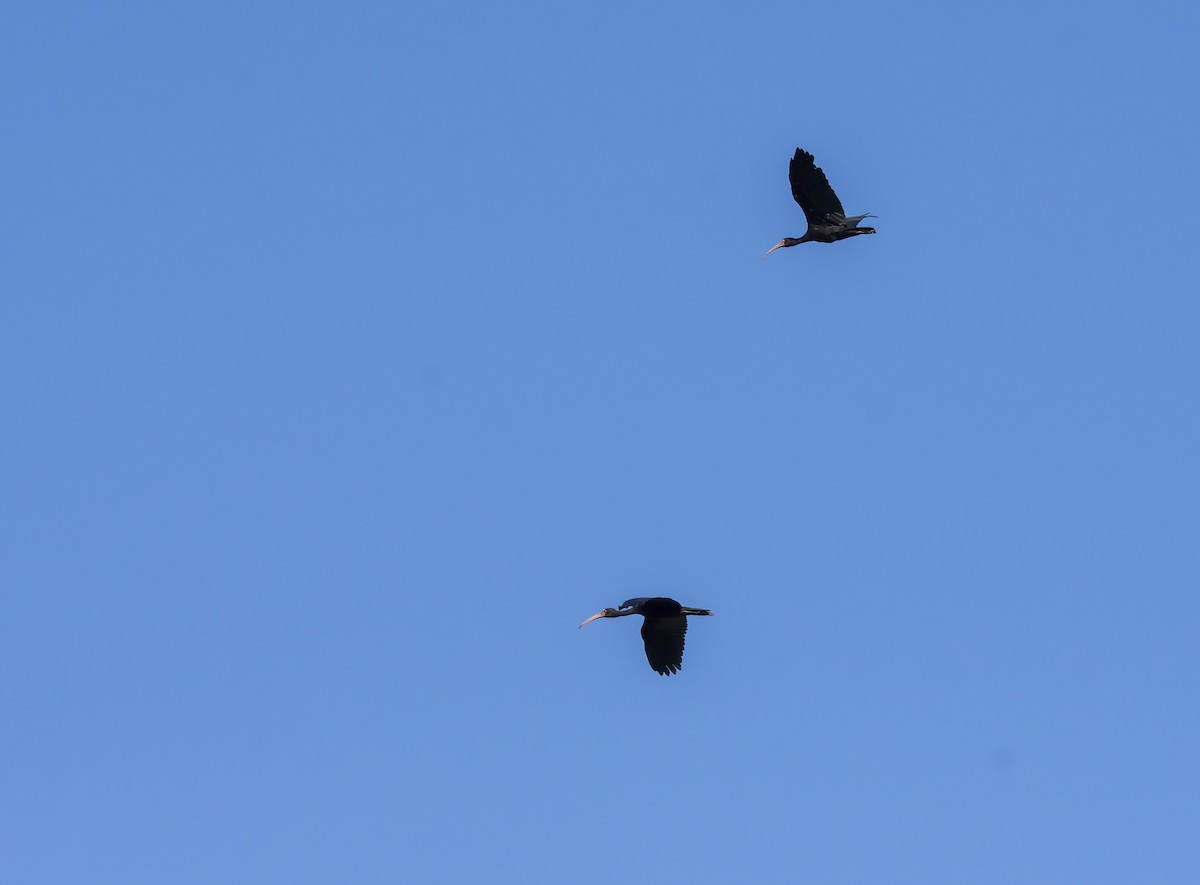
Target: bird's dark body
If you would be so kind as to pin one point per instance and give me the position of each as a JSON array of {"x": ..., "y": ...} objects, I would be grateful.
[
  {"x": 827, "y": 220},
  {"x": 663, "y": 630},
  {"x": 655, "y": 607},
  {"x": 831, "y": 233}
]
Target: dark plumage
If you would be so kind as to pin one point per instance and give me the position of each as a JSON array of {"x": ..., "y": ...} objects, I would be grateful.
[
  {"x": 663, "y": 630},
  {"x": 827, "y": 221}
]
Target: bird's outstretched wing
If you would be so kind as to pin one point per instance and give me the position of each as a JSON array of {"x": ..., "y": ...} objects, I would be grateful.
[
  {"x": 664, "y": 643},
  {"x": 811, "y": 189}
]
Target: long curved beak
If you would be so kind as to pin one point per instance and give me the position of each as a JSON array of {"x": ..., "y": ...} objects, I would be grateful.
[
  {"x": 778, "y": 245},
  {"x": 589, "y": 620}
]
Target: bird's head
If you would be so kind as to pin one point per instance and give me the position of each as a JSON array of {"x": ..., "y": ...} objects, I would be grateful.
[
  {"x": 607, "y": 613},
  {"x": 786, "y": 241}
]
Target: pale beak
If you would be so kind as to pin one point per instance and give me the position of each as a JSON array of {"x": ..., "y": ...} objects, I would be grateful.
[
  {"x": 773, "y": 248},
  {"x": 589, "y": 620}
]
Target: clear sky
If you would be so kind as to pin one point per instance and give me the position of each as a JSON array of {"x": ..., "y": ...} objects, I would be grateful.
[{"x": 353, "y": 353}]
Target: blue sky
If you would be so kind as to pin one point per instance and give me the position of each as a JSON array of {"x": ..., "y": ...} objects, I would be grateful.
[{"x": 353, "y": 354}]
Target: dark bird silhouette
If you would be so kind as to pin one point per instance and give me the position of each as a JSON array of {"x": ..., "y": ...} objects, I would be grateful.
[
  {"x": 663, "y": 629},
  {"x": 827, "y": 221}
]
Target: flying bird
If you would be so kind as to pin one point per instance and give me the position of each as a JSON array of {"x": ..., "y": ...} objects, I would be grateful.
[
  {"x": 662, "y": 631},
  {"x": 827, "y": 221}
]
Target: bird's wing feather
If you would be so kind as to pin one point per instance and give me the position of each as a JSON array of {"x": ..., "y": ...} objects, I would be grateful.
[
  {"x": 664, "y": 643},
  {"x": 811, "y": 189}
]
